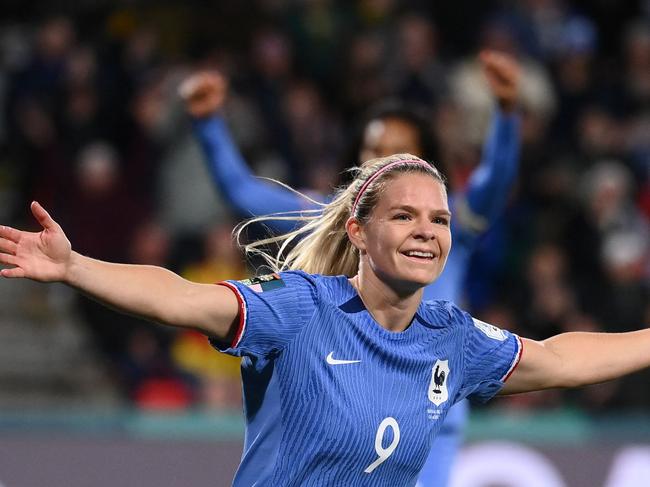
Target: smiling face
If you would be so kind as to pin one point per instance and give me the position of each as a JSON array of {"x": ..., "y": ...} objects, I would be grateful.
[{"x": 406, "y": 240}]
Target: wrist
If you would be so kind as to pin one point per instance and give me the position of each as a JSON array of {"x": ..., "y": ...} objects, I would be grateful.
[
  {"x": 507, "y": 106},
  {"x": 73, "y": 269}
]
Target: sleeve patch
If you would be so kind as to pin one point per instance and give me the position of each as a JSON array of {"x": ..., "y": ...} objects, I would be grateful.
[
  {"x": 261, "y": 284},
  {"x": 490, "y": 330}
]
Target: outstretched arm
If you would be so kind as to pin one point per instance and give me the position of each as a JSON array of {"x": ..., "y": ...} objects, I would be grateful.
[
  {"x": 490, "y": 183},
  {"x": 204, "y": 94},
  {"x": 577, "y": 359},
  {"x": 149, "y": 292}
]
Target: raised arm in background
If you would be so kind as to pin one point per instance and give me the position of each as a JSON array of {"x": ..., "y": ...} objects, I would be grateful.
[
  {"x": 204, "y": 94},
  {"x": 484, "y": 198},
  {"x": 152, "y": 293},
  {"x": 490, "y": 183}
]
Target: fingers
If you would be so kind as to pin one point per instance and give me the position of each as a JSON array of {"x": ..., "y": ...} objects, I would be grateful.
[
  {"x": 203, "y": 94},
  {"x": 486, "y": 55},
  {"x": 9, "y": 234},
  {"x": 188, "y": 86},
  {"x": 7, "y": 259},
  {"x": 199, "y": 83},
  {"x": 12, "y": 273},
  {"x": 8, "y": 246},
  {"x": 492, "y": 57},
  {"x": 493, "y": 64},
  {"x": 501, "y": 65},
  {"x": 43, "y": 217}
]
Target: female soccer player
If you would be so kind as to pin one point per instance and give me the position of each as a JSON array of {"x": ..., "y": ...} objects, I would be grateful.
[
  {"x": 348, "y": 373},
  {"x": 387, "y": 131}
]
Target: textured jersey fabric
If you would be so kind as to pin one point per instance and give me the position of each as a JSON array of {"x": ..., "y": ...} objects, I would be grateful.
[{"x": 331, "y": 398}]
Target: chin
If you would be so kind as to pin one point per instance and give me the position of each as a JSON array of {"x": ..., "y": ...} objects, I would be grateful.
[
  {"x": 407, "y": 282},
  {"x": 411, "y": 284},
  {"x": 422, "y": 278}
]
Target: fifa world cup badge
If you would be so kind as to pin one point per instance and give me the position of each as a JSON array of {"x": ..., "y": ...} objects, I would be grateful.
[{"x": 438, "y": 392}]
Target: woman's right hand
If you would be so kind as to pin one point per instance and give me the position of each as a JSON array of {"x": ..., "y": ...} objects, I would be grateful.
[
  {"x": 203, "y": 93},
  {"x": 42, "y": 256}
]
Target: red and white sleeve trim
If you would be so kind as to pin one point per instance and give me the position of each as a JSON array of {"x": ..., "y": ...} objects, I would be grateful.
[
  {"x": 515, "y": 361},
  {"x": 241, "y": 328}
]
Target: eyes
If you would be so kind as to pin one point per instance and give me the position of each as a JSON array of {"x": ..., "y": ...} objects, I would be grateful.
[
  {"x": 438, "y": 220},
  {"x": 441, "y": 220}
]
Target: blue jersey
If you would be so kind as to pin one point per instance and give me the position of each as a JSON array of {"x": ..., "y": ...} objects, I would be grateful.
[{"x": 331, "y": 398}]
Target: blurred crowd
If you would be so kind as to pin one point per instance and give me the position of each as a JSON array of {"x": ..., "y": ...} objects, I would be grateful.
[{"x": 93, "y": 128}]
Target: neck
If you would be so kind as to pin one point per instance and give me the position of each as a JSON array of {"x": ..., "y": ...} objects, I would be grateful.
[{"x": 393, "y": 310}]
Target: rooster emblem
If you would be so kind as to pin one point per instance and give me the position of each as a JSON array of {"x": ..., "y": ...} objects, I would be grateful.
[
  {"x": 438, "y": 392},
  {"x": 438, "y": 379}
]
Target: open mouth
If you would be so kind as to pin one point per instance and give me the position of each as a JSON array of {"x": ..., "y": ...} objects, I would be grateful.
[{"x": 419, "y": 255}]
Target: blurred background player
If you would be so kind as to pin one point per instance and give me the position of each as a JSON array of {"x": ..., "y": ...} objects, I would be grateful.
[{"x": 390, "y": 129}]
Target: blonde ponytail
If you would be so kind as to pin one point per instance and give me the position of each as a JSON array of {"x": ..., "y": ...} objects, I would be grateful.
[{"x": 321, "y": 242}]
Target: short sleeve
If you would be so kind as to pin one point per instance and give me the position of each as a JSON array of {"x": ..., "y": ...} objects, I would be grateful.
[
  {"x": 272, "y": 310},
  {"x": 490, "y": 356}
]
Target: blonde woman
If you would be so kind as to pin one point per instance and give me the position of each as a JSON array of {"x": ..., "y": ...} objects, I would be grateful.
[
  {"x": 348, "y": 373},
  {"x": 390, "y": 128}
]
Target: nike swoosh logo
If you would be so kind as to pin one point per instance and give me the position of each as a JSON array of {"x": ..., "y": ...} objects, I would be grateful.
[{"x": 333, "y": 361}]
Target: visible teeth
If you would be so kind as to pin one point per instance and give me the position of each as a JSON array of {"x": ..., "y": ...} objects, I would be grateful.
[{"x": 416, "y": 253}]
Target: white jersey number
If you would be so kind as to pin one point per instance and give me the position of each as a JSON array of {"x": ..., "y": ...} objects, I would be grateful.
[{"x": 384, "y": 453}]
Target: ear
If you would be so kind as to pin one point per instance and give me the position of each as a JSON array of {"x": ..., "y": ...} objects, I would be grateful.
[{"x": 355, "y": 233}]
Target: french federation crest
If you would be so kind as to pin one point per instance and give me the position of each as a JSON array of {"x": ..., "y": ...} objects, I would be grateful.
[{"x": 438, "y": 392}]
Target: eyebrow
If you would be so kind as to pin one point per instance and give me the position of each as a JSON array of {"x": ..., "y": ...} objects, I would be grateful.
[{"x": 412, "y": 209}]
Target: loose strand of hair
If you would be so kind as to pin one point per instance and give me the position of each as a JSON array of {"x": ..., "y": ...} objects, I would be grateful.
[{"x": 293, "y": 190}]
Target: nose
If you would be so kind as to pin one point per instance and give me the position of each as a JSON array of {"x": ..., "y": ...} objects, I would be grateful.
[{"x": 424, "y": 230}]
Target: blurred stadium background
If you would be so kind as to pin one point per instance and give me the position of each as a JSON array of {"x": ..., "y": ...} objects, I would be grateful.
[{"x": 92, "y": 128}]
